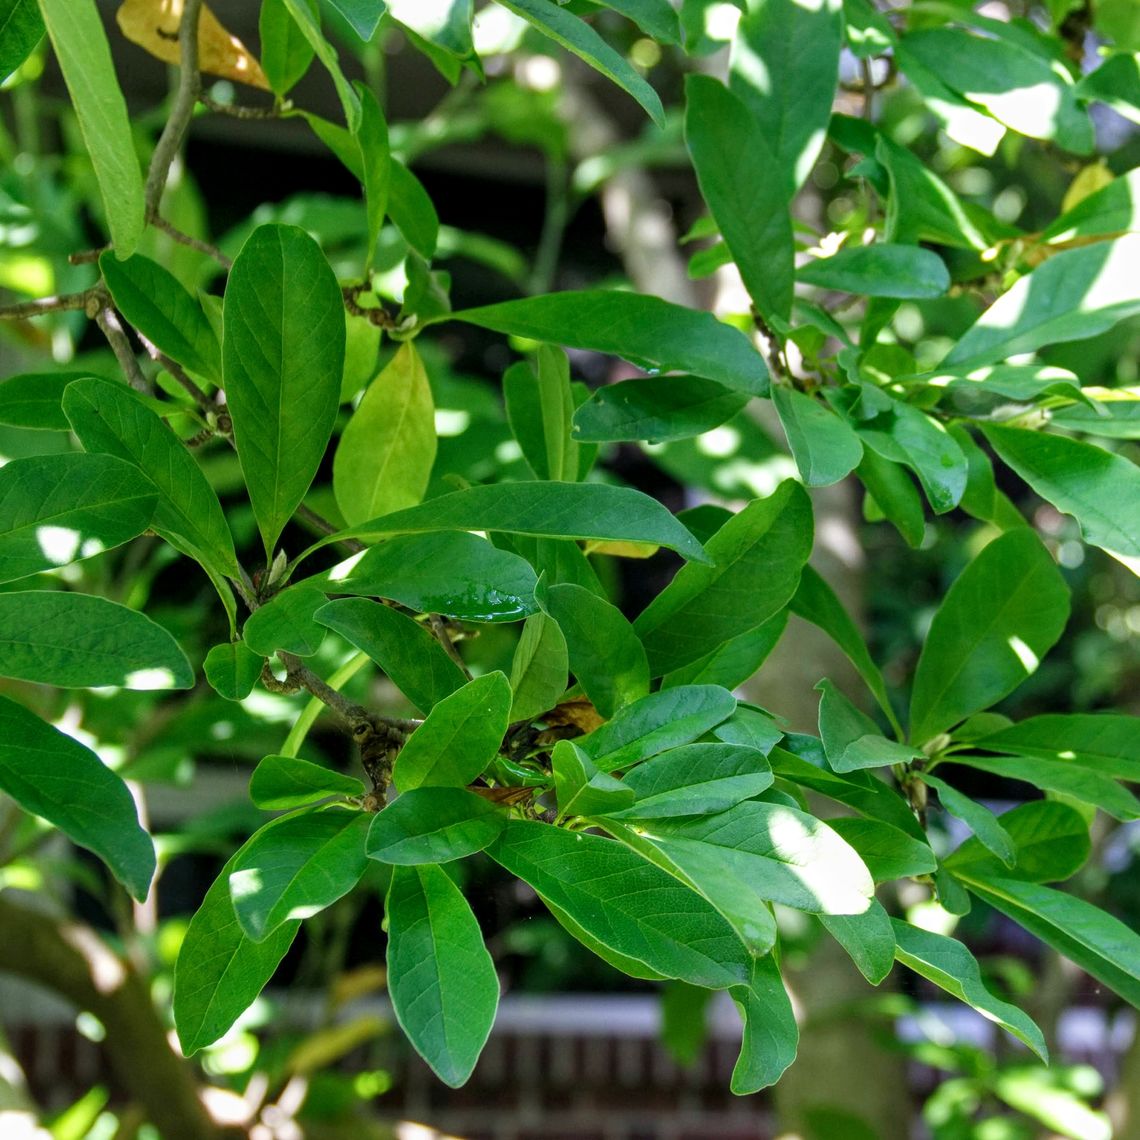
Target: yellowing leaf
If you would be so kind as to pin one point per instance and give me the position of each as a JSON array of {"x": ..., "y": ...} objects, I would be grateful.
[
  {"x": 153, "y": 25},
  {"x": 623, "y": 549},
  {"x": 1096, "y": 176}
]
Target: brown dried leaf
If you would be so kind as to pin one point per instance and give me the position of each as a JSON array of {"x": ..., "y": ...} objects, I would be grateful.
[
  {"x": 576, "y": 713},
  {"x": 153, "y": 25}
]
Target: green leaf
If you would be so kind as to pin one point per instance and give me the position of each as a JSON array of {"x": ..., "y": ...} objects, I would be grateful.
[
  {"x": 386, "y": 452},
  {"x": 21, "y": 28},
  {"x": 451, "y": 572},
  {"x": 80, "y": 45},
  {"x": 767, "y": 850},
  {"x": 376, "y": 165},
  {"x": 648, "y": 332},
  {"x": 982, "y": 499},
  {"x": 735, "y": 660},
  {"x": 1004, "y": 612},
  {"x": 582, "y": 790},
  {"x": 657, "y": 722},
  {"x": 296, "y": 866},
  {"x": 1099, "y": 489},
  {"x": 1116, "y": 418},
  {"x": 757, "y": 556},
  {"x": 55, "y": 777},
  {"x": 110, "y": 418},
  {"x": 310, "y": 24},
  {"x": 35, "y": 400},
  {"x": 624, "y": 903},
  {"x": 285, "y": 51},
  {"x": 751, "y": 727},
  {"x": 1109, "y": 211},
  {"x": 539, "y": 668},
  {"x": 825, "y": 448},
  {"x": 696, "y": 779},
  {"x": 816, "y": 601},
  {"x": 987, "y": 828},
  {"x": 460, "y": 737},
  {"x": 1109, "y": 742},
  {"x": 286, "y": 623},
  {"x": 654, "y": 17},
  {"x": 157, "y": 304},
  {"x": 684, "y": 1021},
  {"x": 282, "y": 356},
  {"x": 771, "y": 1034},
  {"x": 1049, "y": 841},
  {"x": 744, "y": 184},
  {"x": 411, "y": 209},
  {"x": 78, "y": 641},
  {"x": 416, "y": 663},
  {"x": 434, "y": 825},
  {"x": 441, "y": 979},
  {"x": 363, "y": 16},
  {"x": 280, "y": 783},
  {"x": 948, "y": 964},
  {"x": 444, "y": 23},
  {"x": 540, "y": 406},
  {"x": 879, "y": 270},
  {"x": 888, "y": 853},
  {"x": 573, "y": 34},
  {"x": 1116, "y": 83},
  {"x": 555, "y": 510},
  {"x": 892, "y": 495},
  {"x": 1076, "y": 294},
  {"x": 233, "y": 669},
  {"x": 868, "y": 938},
  {"x": 55, "y": 509},
  {"x": 851, "y": 738},
  {"x": 657, "y": 410},
  {"x": 605, "y": 654},
  {"x": 220, "y": 970},
  {"x": 785, "y": 60}
]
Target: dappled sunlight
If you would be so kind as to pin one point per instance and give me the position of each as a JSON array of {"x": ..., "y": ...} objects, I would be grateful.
[
  {"x": 1034, "y": 108},
  {"x": 154, "y": 678},
  {"x": 63, "y": 544},
  {"x": 1025, "y": 655}
]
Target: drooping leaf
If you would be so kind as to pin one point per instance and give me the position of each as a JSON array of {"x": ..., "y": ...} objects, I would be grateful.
[
  {"x": 880, "y": 270},
  {"x": 647, "y": 331},
  {"x": 892, "y": 495},
  {"x": 825, "y": 448},
  {"x": 296, "y": 866},
  {"x": 53, "y": 776},
  {"x": 282, "y": 357},
  {"x": 280, "y": 783},
  {"x": 412, "y": 210},
  {"x": 948, "y": 964},
  {"x": 987, "y": 828},
  {"x": 441, "y": 979},
  {"x": 434, "y": 825},
  {"x": 81, "y": 641},
  {"x": 233, "y": 669},
  {"x": 771, "y": 1034},
  {"x": 80, "y": 45},
  {"x": 745, "y": 185},
  {"x": 540, "y": 407},
  {"x": 999, "y": 618},
  {"x": 417, "y": 664},
  {"x": 1099, "y": 489},
  {"x": 757, "y": 556},
  {"x": 459, "y": 738},
  {"x": 868, "y": 938},
  {"x": 285, "y": 50},
  {"x": 21, "y": 28},
  {"x": 851, "y": 738},
  {"x": 55, "y": 509},
  {"x": 286, "y": 623},
  {"x": 539, "y": 668}
]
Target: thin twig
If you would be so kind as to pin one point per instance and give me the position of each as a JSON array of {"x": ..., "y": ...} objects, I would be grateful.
[
  {"x": 182, "y": 110},
  {"x": 65, "y": 302},
  {"x": 171, "y": 231},
  {"x": 868, "y": 90},
  {"x": 322, "y": 525},
  {"x": 178, "y": 372},
  {"x": 443, "y": 636},
  {"x": 108, "y": 320},
  {"x": 237, "y": 111},
  {"x": 87, "y": 256}
]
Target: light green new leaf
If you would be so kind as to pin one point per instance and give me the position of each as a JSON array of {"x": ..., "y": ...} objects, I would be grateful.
[
  {"x": 296, "y": 866},
  {"x": 948, "y": 964},
  {"x": 280, "y": 783},
  {"x": 868, "y": 938},
  {"x": 79, "y": 641},
  {"x": 21, "y": 28},
  {"x": 554, "y": 510},
  {"x": 880, "y": 270},
  {"x": 110, "y": 418},
  {"x": 784, "y": 66},
  {"x": 647, "y": 331},
  {"x": 434, "y": 825},
  {"x": 1005, "y": 611},
  {"x": 624, "y": 903},
  {"x": 309, "y": 22},
  {"x": 825, "y": 448},
  {"x": 540, "y": 408},
  {"x": 444, "y": 23},
  {"x": 987, "y": 828},
  {"x": 1109, "y": 742},
  {"x": 441, "y": 979},
  {"x": 285, "y": 50},
  {"x": 888, "y": 852},
  {"x": 282, "y": 356},
  {"x": 577, "y": 36},
  {"x": 233, "y": 669},
  {"x": 220, "y": 971},
  {"x": 460, "y": 737},
  {"x": 758, "y": 555},
  {"x": 744, "y": 185},
  {"x": 286, "y": 623},
  {"x": 1099, "y": 489},
  {"x": 539, "y": 668},
  {"x": 158, "y": 305},
  {"x": 696, "y": 779},
  {"x": 1077, "y": 293},
  {"x": 416, "y": 663},
  {"x": 580, "y": 788},
  {"x": 453, "y": 573},
  {"x": 76, "y": 33},
  {"x": 386, "y": 452},
  {"x": 55, "y": 509},
  {"x": 851, "y": 738},
  {"x": 605, "y": 654},
  {"x": 662, "y": 720},
  {"x": 55, "y": 777},
  {"x": 771, "y": 1034}
]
